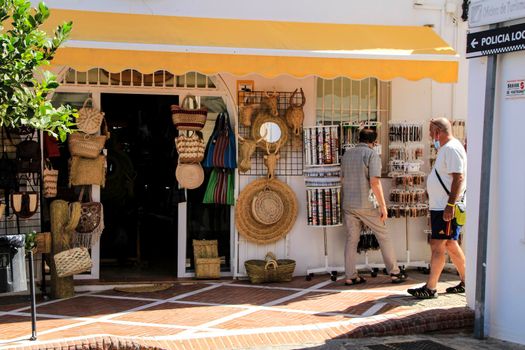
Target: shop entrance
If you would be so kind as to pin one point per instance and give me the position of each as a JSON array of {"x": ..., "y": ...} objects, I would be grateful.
[{"x": 140, "y": 197}]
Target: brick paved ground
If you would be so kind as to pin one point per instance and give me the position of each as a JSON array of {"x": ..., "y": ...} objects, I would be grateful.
[{"x": 234, "y": 314}]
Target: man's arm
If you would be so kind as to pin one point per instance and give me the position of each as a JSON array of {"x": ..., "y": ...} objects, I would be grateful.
[
  {"x": 457, "y": 184},
  {"x": 375, "y": 184}
]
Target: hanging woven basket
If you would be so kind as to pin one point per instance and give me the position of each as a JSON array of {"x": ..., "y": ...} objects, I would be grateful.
[{"x": 250, "y": 226}]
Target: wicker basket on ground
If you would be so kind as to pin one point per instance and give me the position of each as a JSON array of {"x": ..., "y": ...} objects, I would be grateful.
[
  {"x": 206, "y": 258},
  {"x": 270, "y": 269}
]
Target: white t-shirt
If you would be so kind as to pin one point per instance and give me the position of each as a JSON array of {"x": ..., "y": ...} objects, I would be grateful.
[{"x": 451, "y": 158}]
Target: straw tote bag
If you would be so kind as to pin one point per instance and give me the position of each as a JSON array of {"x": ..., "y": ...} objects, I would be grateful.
[
  {"x": 84, "y": 171},
  {"x": 50, "y": 176},
  {"x": 190, "y": 148},
  {"x": 185, "y": 118},
  {"x": 89, "y": 118},
  {"x": 88, "y": 146},
  {"x": 91, "y": 223}
]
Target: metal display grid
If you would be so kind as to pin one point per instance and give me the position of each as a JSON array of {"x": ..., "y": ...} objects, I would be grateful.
[{"x": 290, "y": 162}]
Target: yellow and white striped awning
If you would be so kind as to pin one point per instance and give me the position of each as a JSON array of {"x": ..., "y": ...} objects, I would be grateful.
[{"x": 147, "y": 43}]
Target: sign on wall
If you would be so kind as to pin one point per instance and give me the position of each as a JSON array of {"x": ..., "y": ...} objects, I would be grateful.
[
  {"x": 482, "y": 12},
  {"x": 515, "y": 88},
  {"x": 496, "y": 41}
]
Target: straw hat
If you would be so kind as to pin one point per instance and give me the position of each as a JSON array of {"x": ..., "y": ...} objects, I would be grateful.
[
  {"x": 259, "y": 196},
  {"x": 189, "y": 176}
]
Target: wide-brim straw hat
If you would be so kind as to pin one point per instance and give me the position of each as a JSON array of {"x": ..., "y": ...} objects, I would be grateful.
[
  {"x": 250, "y": 227},
  {"x": 189, "y": 176}
]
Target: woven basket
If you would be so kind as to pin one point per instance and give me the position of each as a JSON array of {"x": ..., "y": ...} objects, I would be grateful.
[
  {"x": 2, "y": 210},
  {"x": 190, "y": 148},
  {"x": 189, "y": 176},
  {"x": 250, "y": 227},
  {"x": 43, "y": 242},
  {"x": 270, "y": 269},
  {"x": 89, "y": 118},
  {"x": 72, "y": 262},
  {"x": 207, "y": 262},
  {"x": 267, "y": 207},
  {"x": 185, "y": 118},
  {"x": 85, "y": 145},
  {"x": 84, "y": 171},
  {"x": 50, "y": 176}
]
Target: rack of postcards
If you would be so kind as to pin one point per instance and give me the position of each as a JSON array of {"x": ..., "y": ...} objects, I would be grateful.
[
  {"x": 322, "y": 175},
  {"x": 408, "y": 198}
]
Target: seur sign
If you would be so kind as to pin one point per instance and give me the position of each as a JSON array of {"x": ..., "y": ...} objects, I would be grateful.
[{"x": 496, "y": 41}]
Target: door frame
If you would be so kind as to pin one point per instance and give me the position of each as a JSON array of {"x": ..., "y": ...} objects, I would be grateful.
[{"x": 220, "y": 90}]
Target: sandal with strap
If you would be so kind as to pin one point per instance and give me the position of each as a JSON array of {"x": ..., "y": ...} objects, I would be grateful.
[
  {"x": 398, "y": 277},
  {"x": 423, "y": 292},
  {"x": 460, "y": 288},
  {"x": 357, "y": 280}
]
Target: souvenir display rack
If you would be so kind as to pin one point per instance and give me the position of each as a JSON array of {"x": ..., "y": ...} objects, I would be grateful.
[
  {"x": 322, "y": 173},
  {"x": 290, "y": 162},
  {"x": 350, "y": 133},
  {"x": 408, "y": 198}
]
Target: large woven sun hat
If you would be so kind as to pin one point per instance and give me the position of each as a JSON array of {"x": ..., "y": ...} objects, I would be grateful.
[
  {"x": 267, "y": 207},
  {"x": 189, "y": 176},
  {"x": 250, "y": 226}
]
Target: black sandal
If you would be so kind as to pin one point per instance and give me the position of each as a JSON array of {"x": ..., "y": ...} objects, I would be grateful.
[
  {"x": 357, "y": 280},
  {"x": 398, "y": 277},
  {"x": 423, "y": 292},
  {"x": 460, "y": 288}
]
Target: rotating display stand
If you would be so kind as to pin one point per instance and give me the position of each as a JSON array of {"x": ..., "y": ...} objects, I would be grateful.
[{"x": 322, "y": 175}]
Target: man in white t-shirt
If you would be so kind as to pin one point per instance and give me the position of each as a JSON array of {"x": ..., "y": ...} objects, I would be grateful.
[{"x": 446, "y": 184}]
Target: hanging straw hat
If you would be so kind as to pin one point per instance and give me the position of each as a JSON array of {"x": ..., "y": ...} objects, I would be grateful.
[
  {"x": 253, "y": 198},
  {"x": 189, "y": 176}
]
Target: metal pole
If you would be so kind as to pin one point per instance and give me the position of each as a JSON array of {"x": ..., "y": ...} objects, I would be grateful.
[
  {"x": 484, "y": 198},
  {"x": 33, "y": 298}
]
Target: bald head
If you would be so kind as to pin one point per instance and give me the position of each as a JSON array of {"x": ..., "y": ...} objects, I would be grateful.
[{"x": 441, "y": 124}]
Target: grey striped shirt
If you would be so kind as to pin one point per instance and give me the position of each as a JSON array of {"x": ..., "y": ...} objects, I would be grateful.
[{"x": 358, "y": 165}]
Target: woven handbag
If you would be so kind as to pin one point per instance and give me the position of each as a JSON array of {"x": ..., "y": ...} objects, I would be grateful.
[
  {"x": 88, "y": 146},
  {"x": 91, "y": 223},
  {"x": 84, "y": 171},
  {"x": 89, "y": 118},
  {"x": 185, "y": 118},
  {"x": 50, "y": 176},
  {"x": 190, "y": 148},
  {"x": 72, "y": 262}
]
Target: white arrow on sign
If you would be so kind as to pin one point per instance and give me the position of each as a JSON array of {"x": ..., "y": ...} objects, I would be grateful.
[{"x": 474, "y": 43}]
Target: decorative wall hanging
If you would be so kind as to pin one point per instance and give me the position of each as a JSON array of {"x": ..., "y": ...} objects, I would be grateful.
[
  {"x": 250, "y": 226},
  {"x": 295, "y": 113},
  {"x": 274, "y": 129}
]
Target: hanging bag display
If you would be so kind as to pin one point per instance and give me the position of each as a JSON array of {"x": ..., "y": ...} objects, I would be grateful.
[
  {"x": 220, "y": 187},
  {"x": 89, "y": 118},
  {"x": 190, "y": 148},
  {"x": 91, "y": 223},
  {"x": 24, "y": 204},
  {"x": 210, "y": 147},
  {"x": 28, "y": 156},
  {"x": 86, "y": 145},
  {"x": 51, "y": 149},
  {"x": 185, "y": 118},
  {"x": 230, "y": 160},
  {"x": 50, "y": 177},
  {"x": 84, "y": 171}
]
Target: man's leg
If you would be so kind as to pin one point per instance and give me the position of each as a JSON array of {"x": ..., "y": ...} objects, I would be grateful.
[
  {"x": 371, "y": 218},
  {"x": 458, "y": 258},
  {"x": 353, "y": 230},
  {"x": 437, "y": 261}
]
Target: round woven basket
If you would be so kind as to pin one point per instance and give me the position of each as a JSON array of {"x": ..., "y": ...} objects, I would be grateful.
[
  {"x": 267, "y": 207},
  {"x": 190, "y": 176},
  {"x": 253, "y": 229}
]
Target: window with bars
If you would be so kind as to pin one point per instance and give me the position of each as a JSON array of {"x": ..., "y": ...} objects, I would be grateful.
[
  {"x": 131, "y": 77},
  {"x": 346, "y": 102}
]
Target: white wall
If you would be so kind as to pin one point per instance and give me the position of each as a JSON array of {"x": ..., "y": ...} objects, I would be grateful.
[
  {"x": 505, "y": 305},
  {"x": 411, "y": 100}
]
